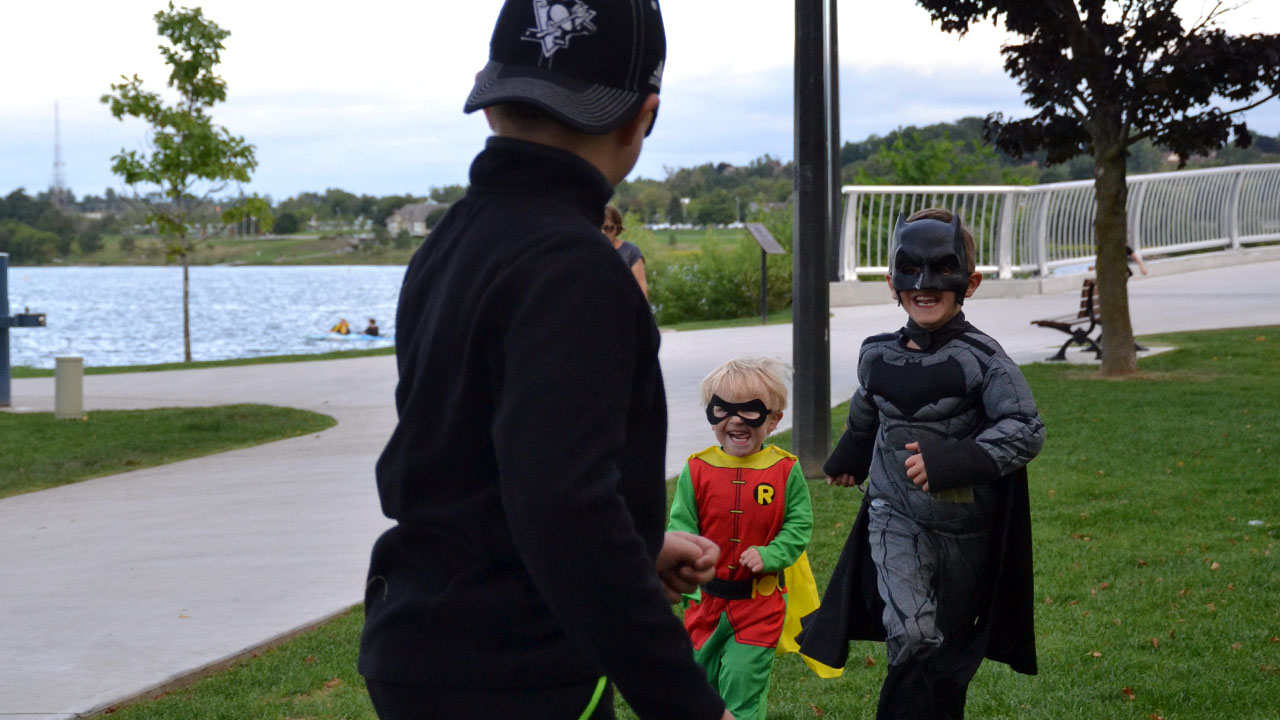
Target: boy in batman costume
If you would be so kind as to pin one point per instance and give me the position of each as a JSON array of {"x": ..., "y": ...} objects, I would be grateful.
[{"x": 938, "y": 563}]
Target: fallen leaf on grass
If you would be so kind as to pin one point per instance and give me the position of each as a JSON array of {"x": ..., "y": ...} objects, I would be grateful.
[
  {"x": 1155, "y": 643},
  {"x": 817, "y": 711},
  {"x": 1128, "y": 693},
  {"x": 1142, "y": 563},
  {"x": 1155, "y": 717},
  {"x": 309, "y": 659},
  {"x": 1211, "y": 607},
  {"x": 1237, "y": 646},
  {"x": 869, "y": 661},
  {"x": 1096, "y": 654},
  {"x": 331, "y": 684},
  {"x": 1215, "y": 566},
  {"x": 1275, "y": 639}
]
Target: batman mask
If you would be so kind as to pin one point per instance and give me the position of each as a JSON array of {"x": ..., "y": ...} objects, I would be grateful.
[{"x": 930, "y": 255}]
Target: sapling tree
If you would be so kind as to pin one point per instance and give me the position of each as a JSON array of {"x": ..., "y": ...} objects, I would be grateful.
[
  {"x": 189, "y": 157},
  {"x": 1105, "y": 74}
]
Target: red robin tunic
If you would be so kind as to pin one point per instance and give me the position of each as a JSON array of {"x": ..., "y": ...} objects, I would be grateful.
[{"x": 760, "y": 501}]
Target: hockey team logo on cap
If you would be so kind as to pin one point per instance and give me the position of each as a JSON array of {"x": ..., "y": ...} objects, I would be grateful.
[{"x": 557, "y": 23}]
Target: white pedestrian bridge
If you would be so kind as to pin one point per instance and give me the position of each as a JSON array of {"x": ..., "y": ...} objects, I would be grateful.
[{"x": 1035, "y": 230}]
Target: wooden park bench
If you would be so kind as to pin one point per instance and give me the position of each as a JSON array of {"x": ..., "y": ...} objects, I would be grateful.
[{"x": 1080, "y": 324}]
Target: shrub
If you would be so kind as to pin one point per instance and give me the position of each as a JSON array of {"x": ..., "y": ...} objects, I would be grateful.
[
  {"x": 719, "y": 283},
  {"x": 287, "y": 223}
]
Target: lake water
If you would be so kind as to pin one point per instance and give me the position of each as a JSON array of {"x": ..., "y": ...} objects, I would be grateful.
[{"x": 133, "y": 315}]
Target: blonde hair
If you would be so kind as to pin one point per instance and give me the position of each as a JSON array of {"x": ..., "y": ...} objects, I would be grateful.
[
  {"x": 762, "y": 377},
  {"x": 945, "y": 215}
]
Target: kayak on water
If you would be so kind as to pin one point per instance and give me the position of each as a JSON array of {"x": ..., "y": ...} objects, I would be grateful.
[{"x": 349, "y": 337}]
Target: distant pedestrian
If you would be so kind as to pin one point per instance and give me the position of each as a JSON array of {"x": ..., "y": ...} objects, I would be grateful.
[{"x": 631, "y": 254}]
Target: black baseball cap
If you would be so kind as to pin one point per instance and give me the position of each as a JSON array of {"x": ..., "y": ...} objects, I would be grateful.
[{"x": 589, "y": 63}]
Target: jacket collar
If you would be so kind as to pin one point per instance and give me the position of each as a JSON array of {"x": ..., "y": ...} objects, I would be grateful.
[{"x": 507, "y": 164}]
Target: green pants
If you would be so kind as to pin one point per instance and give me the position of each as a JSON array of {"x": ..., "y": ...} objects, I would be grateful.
[{"x": 739, "y": 672}]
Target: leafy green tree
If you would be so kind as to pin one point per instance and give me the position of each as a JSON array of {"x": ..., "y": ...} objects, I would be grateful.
[
  {"x": 190, "y": 157},
  {"x": 27, "y": 245},
  {"x": 434, "y": 216},
  {"x": 1103, "y": 75},
  {"x": 448, "y": 194},
  {"x": 403, "y": 240},
  {"x": 287, "y": 223}
]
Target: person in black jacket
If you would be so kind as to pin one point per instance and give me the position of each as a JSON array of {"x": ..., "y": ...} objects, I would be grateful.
[{"x": 528, "y": 564}]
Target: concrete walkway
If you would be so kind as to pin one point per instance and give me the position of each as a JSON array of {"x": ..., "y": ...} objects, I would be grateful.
[{"x": 116, "y": 586}]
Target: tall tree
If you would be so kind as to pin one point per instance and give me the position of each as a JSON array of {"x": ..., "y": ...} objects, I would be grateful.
[
  {"x": 1105, "y": 74},
  {"x": 190, "y": 157}
]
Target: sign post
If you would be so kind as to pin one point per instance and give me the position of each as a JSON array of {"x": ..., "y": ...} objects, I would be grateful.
[
  {"x": 25, "y": 319},
  {"x": 768, "y": 246}
]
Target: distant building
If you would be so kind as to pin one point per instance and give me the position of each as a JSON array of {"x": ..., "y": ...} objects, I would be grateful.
[{"x": 412, "y": 218}]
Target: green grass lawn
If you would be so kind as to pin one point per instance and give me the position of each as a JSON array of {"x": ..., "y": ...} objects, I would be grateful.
[
  {"x": 40, "y": 452},
  {"x": 1155, "y": 593}
]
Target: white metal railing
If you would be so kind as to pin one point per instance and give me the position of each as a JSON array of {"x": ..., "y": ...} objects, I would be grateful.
[{"x": 1035, "y": 229}]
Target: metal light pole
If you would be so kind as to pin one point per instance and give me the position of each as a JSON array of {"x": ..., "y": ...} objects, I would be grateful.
[{"x": 810, "y": 292}]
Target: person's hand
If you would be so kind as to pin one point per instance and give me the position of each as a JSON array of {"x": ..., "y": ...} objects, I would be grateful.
[
  {"x": 685, "y": 562},
  {"x": 915, "y": 467},
  {"x": 726, "y": 716},
  {"x": 751, "y": 560},
  {"x": 842, "y": 480}
]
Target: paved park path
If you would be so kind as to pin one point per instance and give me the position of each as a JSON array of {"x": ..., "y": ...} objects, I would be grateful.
[{"x": 112, "y": 587}]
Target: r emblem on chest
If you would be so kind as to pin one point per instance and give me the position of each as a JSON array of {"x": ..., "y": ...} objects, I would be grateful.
[{"x": 764, "y": 494}]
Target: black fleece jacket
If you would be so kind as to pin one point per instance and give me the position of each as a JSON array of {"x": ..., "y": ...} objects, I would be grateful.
[{"x": 526, "y": 471}]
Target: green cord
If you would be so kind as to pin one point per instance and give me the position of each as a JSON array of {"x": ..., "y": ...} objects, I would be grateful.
[{"x": 595, "y": 698}]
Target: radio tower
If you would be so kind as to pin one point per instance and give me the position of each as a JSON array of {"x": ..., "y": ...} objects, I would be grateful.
[{"x": 58, "y": 194}]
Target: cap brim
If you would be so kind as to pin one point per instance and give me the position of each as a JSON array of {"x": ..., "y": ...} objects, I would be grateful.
[{"x": 593, "y": 109}]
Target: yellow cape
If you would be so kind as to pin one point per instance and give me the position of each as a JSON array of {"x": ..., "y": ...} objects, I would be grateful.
[{"x": 802, "y": 599}]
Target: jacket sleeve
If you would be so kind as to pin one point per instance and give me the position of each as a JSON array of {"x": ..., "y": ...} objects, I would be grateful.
[
  {"x": 1012, "y": 436},
  {"x": 797, "y": 527},
  {"x": 567, "y": 360},
  {"x": 853, "y": 452}
]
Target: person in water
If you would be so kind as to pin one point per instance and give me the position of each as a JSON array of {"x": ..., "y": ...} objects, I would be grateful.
[
  {"x": 372, "y": 329},
  {"x": 342, "y": 328}
]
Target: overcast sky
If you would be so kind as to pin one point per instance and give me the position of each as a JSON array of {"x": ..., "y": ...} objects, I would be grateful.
[{"x": 367, "y": 96}]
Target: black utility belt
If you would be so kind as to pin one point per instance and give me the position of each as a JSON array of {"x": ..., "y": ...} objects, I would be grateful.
[{"x": 732, "y": 589}]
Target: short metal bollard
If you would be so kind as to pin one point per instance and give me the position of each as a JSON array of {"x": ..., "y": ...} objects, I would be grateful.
[
  {"x": 26, "y": 319},
  {"x": 68, "y": 388}
]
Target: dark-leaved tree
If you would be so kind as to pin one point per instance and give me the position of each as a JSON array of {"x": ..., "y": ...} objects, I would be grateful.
[{"x": 1105, "y": 74}]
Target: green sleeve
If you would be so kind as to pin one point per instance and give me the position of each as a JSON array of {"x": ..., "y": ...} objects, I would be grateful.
[
  {"x": 684, "y": 507},
  {"x": 793, "y": 536}
]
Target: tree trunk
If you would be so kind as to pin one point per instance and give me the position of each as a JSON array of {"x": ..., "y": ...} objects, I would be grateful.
[
  {"x": 1111, "y": 237},
  {"x": 186, "y": 310}
]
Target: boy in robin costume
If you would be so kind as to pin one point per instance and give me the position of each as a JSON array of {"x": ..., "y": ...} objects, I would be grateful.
[
  {"x": 938, "y": 563},
  {"x": 753, "y": 501}
]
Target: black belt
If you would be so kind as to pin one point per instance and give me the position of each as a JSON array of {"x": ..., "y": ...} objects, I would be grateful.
[{"x": 732, "y": 589}]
